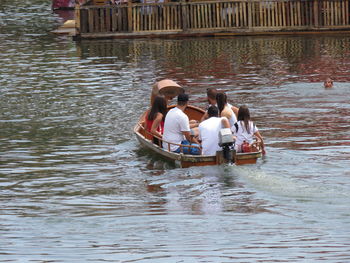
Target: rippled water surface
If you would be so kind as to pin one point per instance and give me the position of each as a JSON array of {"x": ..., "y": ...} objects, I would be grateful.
[{"x": 75, "y": 186}]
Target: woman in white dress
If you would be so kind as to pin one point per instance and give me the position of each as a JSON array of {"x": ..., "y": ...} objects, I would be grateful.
[{"x": 245, "y": 130}]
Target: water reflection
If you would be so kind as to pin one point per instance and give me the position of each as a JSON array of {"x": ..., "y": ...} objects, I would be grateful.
[{"x": 238, "y": 61}]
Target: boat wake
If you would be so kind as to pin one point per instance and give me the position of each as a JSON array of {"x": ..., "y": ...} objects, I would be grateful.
[{"x": 282, "y": 186}]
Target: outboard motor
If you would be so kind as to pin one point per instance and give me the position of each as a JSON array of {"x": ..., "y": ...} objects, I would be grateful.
[{"x": 226, "y": 141}]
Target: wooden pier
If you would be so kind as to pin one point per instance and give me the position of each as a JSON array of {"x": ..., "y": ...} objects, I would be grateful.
[{"x": 210, "y": 18}]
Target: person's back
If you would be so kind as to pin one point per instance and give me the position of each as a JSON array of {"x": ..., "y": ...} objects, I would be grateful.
[
  {"x": 177, "y": 129},
  {"x": 154, "y": 122},
  {"x": 224, "y": 109},
  {"x": 245, "y": 130},
  {"x": 229, "y": 114},
  {"x": 149, "y": 124},
  {"x": 242, "y": 134},
  {"x": 209, "y": 131},
  {"x": 176, "y": 121}
]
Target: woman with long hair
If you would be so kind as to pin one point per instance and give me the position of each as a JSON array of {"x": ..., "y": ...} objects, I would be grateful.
[
  {"x": 224, "y": 109},
  {"x": 156, "y": 116},
  {"x": 245, "y": 130}
]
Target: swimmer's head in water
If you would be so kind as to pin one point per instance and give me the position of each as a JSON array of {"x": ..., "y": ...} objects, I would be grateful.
[{"x": 328, "y": 83}]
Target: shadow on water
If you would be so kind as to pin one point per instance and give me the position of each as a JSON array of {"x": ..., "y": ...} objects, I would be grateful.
[
  {"x": 205, "y": 190},
  {"x": 155, "y": 161}
]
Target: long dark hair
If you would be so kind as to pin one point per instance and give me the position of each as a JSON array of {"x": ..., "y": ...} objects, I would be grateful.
[
  {"x": 244, "y": 115},
  {"x": 221, "y": 100},
  {"x": 159, "y": 105}
]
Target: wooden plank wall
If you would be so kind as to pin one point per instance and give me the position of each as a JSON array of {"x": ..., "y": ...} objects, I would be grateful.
[
  {"x": 152, "y": 17},
  {"x": 103, "y": 19},
  {"x": 215, "y": 15},
  {"x": 334, "y": 13}
]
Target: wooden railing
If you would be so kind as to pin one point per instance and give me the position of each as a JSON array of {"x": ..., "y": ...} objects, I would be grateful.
[{"x": 214, "y": 16}]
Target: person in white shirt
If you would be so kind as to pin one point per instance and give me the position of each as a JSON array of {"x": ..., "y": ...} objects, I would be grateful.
[
  {"x": 177, "y": 128},
  {"x": 245, "y": 130},
  {"x": 209, "y": 131}
]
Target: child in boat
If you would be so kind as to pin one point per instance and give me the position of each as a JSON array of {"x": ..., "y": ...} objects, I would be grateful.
[
  {"x": 245, "y": 130},
  {"x": 155, "y": 118}
]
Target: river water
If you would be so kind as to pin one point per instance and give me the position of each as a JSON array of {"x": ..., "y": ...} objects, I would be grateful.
[{"x": 75, "y": 186}]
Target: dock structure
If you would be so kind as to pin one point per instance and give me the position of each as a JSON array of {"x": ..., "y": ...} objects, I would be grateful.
[{"x": 127, "y": 19}]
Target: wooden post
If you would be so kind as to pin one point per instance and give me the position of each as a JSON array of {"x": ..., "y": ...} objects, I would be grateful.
[
  {"x": 77, "y": 19},
  {"x": 102, "y": 17},
  {"x": 284, "y": 14},
  {"x": 120, "y": 25},
  {"x": 261, "y": 16},
  {"x": 130, "y": 26},
  {"x": 114, "y": 19},
  {"x": 316, "y": 14},
  {"x": 336, "y": 10},
  {"x": 206, "y": 16},
  {"x": 90, "y": 21},
  {"x": 280, "y": 13},
  {"x": 218, "y": 15},
  {"x": 299, "y": 14},
  {"x": 346, "y": 13},
  {"x": 342, "y": 11},
  {"x": 96, "y": 18},
  {"x": 210, "y": 15},
  {"x": 108, "y": 19},
  {"x": 184, "y": 15}
]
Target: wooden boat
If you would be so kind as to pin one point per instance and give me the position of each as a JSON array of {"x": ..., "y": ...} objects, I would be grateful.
[{"x": 186, "y": 160}]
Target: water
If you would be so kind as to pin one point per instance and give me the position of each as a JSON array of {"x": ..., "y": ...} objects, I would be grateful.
[{"x": 75, "y": 186}]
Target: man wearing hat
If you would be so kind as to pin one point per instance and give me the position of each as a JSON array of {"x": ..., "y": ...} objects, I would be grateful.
[{"x": 177, "y": 128}]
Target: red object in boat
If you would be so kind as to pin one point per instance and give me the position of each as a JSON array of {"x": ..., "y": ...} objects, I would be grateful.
[{"x": 246, "y": 147}]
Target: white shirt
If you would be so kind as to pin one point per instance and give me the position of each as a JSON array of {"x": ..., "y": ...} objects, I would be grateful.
[
  {"x": 209, "y": 134},
  {"x": 176, "y": 122},
  {"x": 242, "y": 134}
]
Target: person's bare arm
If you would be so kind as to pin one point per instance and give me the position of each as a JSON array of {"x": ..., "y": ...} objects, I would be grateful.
[
  {"x": 193, "y": 124},
  {"x": 156, "y": 124},
  {"x": 235, "y": 110},
  {"x": 189, "y": 138},
  {"x": 225, "y": 123},
  {"x": 258, "y": 135}
]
